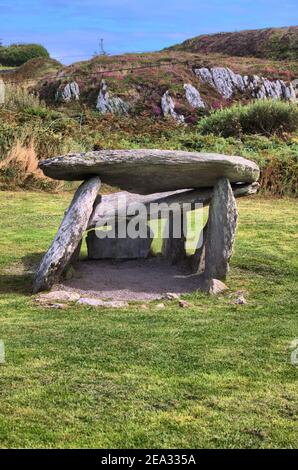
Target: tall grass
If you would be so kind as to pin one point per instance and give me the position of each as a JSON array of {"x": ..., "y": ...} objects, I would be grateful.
[
  {"x": 17, "y": 98},
  {"x": 20, "y": 170}
]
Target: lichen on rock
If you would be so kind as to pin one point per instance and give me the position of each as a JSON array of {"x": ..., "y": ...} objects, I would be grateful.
[
  {"x": 168, "y": 108},
  {"x": 227, "y": 83},
  {"x": 106, "y": 104},
  {"x": 193, "y": 96},
  {"x": 71, "y": 91}
]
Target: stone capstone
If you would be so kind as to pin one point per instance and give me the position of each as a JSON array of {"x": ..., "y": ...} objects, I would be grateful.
[{"x": 149, "y": 171}]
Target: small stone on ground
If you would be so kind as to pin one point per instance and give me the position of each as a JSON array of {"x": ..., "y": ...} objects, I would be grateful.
[
  {"x": 102, "y": 303},
  {"x": 59, "y": 296}
]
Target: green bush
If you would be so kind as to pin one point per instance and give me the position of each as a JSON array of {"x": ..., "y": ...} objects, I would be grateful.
[
  {"x": 266, "y": 117},
  {"x": 18, "y": 54}
]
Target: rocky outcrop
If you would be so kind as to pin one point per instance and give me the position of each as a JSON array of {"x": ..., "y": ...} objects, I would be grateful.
[
  {"x": 148, "y": 171},
  {"x": 68, "y": 237},
  {"x": 70, "y": 92},
  {"x": 168, "y": 108},
  {"x": 193, "y": 96},
  {"x": 227, "y": 83},
  {"x": 106, "y": 104},
  {"x": 295, "y": 87}
]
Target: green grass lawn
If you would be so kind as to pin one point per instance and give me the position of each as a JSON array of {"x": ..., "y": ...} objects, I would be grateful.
[{"x": 213, "y": 375}]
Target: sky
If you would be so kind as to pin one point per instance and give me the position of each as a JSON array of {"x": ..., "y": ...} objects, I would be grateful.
[{"x": 71, "y": 29}]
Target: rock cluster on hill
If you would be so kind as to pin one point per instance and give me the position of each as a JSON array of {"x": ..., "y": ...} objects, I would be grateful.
[
  {"x": 168, "y": 108},
  {"x": 106, "y": 104},
  {"x": 227, "y": 83},
  {"x": 71, "y": 91},
  {"x": 193, "y": 96}
]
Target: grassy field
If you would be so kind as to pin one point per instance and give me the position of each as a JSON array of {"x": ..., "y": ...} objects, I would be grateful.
[{"x": 213, "y": 375}]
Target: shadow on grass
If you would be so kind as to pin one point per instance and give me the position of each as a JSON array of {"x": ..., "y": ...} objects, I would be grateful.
[{"x": 19, "y": 281}]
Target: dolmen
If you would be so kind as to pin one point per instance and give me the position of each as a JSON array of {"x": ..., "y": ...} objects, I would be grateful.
[{"x": 155, "y": 180}]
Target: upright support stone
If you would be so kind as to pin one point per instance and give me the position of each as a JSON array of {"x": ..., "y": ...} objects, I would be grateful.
[
  {"x": 173, "y": 248},
  {"x": 118, "y": 247},
  {"x": 68, "y": 237},
  {"x": 222, "y": 224},
  {"x": 197, "y": 261}
]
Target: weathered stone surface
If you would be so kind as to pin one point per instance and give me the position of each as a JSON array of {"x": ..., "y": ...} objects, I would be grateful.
[
  {"x": 168, "y": 108},
  {"x": 2, "y": 91},
  {"x": 113, "y": 205},
  {"x": 221, "y": 231},
  {"x": 101, "y": 303},
  {"x": 197, "y": 261},
  {"x": 58, "y": 296},
  {"x": 173, "y": 248},
  {"x": 70, "y": 92},
  {"x": 193, "y": 96},
  {"x": 68, "y": 236},
  {"x": 119, "y": 248},
  {"x": 149, "y": 171},
  {"x": 107, "y": 104},
  {"x": 227, "y": 83}
]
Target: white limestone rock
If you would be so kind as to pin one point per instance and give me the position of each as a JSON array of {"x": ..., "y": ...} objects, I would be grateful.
[
  {"x": 70, "y": 92},
  {"x": 106, "y": 104},
  {"x": 193, "y": 96},
  {"x": 227, "y": 83},
  {"x": 168, "y": 108}
]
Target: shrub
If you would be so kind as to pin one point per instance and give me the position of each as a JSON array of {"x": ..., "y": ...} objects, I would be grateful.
[
  {"x": 18, "y": 54},
  {"x": 266, "y": 117}
]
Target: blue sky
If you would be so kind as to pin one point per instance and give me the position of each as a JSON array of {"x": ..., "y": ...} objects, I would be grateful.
[{"x": 71, "y": 29}]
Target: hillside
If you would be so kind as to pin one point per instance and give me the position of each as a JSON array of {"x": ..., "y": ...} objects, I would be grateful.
[
  {"x": 31, "y": 71},
  {"x": 201, "y": 74},
  {"x": 269, "y": 43},
  {"x": 169, "y": 83}
]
